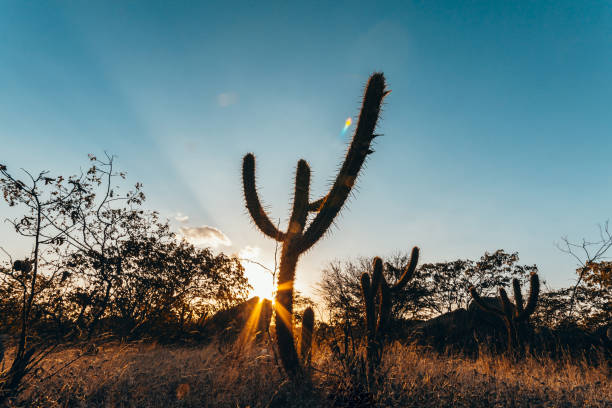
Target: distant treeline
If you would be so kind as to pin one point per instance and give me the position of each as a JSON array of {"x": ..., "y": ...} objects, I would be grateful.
[{"x": 443, "y": 287}]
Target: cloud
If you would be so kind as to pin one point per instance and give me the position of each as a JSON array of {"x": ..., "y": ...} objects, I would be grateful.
[
  {"x": 227, "y": 98},
  {"x": 180, "y": 217},
  {"x": 249, "y": 252},
  {"x": 205, "y": 236}
]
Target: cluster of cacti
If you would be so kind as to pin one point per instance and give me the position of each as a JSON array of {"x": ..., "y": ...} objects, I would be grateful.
[
  {"x": 515, "y": 316},
  {"x": 298, "y": 238},
  {"x": 378, "y": 300}
]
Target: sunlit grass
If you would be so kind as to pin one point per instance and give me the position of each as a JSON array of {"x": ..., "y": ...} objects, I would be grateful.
[{"x": 138, "y": 375}]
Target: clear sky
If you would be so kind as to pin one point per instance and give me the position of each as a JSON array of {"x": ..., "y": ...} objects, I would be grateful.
[{"x": 497, "y": 131}]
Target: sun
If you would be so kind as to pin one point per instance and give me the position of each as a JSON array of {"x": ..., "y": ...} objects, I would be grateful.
[
  {"x": 262, "y": 288},
  {"x": 260, "y": 279}
]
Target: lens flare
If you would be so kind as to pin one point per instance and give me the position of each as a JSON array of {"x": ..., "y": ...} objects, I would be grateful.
[{"x": 347, "y": 124}]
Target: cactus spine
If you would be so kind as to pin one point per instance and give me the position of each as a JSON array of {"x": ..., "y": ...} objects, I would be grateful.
[
  {"x": 377, "y": 295},
  {"x": 298, "y": 238},
  {"x": 515, "y": 317}
]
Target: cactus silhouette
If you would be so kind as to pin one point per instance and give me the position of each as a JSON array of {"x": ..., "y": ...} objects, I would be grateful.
[
  {"x": 515, "y": 316},
  {"x": 377, "y": 295},
  {"x": 306, "y": 338},
  {"x": 299, "y": 237}
]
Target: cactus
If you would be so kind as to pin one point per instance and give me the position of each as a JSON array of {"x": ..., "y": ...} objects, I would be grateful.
[
  {"x": 306, "y": 338},
  {"x": 298, "y": 238},
  {"x": 377, "y": 295},
  {"x": 515, "y": 316},
  {"x": 3, "y": 338}
]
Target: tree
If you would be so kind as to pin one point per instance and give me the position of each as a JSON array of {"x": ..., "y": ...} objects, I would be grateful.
[
  {"x": 598, "y": 292},
  {"x": 84, "y": 214},
  {"x": 173, "y": 281},
  {"x": 590, "y": 300},
  {"x": 25, "y": 273}
]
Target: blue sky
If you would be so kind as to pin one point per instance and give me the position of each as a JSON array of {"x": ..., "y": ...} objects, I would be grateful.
[{"x": 497, "y": 130}]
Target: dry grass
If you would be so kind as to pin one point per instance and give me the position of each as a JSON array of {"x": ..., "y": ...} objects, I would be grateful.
[{"x": 140, "y": 375}]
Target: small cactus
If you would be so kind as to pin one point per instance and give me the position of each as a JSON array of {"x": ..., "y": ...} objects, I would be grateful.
[
  {"x": 515, "y": 316},
  {"x": 377, "y": 295},
  {"x": 306, "y": 338},
  {"x": 299, "y": 237}
]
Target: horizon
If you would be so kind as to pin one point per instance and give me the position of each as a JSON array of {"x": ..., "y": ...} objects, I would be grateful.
[{"x": 496, "y": 132}]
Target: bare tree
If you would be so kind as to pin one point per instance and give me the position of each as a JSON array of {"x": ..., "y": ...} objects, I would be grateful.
[
  {"x": 587, "y": 254},
  {"x": 25, "y": 272}
]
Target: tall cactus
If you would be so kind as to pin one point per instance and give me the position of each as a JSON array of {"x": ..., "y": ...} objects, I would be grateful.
[
  {"x": 515, "y": 316},
  {"x": 299, "y": 238},
  {"x": 377, "y": 295}
]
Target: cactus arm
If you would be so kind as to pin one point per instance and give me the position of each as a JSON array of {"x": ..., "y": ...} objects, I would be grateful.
[
  {"x": 365, "y": 285},
  {"x": 368, "y": 298},
  {"x": 518, "y": 296},
  {"x": 377, "y": 275},
  {"x": 300, "y": 199},
  {"x": 483, "y": 305},
  {"x": 315, "y": 206},
  {"x": 253, "y": 204},
  {"x": 355, "y": 157},
  {"x": 506, "y": 305},
  {"x": 534, "y": 294},
  {"x": 408, "y": 272}
]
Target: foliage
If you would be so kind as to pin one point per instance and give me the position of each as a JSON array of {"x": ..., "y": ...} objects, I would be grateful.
[
  {"x": 597, "y": 294},
  {"x": 166, "y": 281}
]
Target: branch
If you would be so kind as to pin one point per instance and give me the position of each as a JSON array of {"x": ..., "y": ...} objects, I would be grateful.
[{"x": 253, "y": 203}]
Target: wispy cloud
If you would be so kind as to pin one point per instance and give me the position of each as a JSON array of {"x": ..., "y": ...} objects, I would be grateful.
[
  {"x": 180, "y": 217},
  {"x": 205, "y": 236},
  {"x": 226, "y": 99},
  {"x": 249, "y": 252}
]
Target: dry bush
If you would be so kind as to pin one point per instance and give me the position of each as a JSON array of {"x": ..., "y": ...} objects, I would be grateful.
[{"x": 140, "y": 375}]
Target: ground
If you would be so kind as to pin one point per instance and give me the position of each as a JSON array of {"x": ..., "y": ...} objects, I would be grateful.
[{"x": 148, "y": 375}]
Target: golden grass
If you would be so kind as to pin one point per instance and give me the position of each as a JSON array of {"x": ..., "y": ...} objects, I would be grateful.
[{"x": 139, "y": 375}]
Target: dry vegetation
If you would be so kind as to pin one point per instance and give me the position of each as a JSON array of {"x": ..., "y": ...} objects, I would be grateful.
[{"x": 144, "y": 375}]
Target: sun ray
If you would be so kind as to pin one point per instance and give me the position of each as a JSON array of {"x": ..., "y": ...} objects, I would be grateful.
[
  {"x": 249, "y": 329},
  {"x": 283, "y": 314}
]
